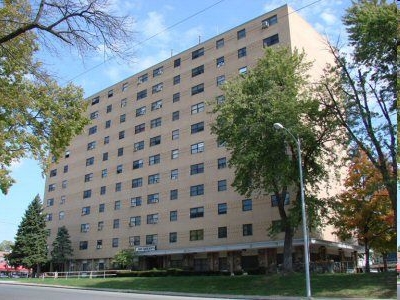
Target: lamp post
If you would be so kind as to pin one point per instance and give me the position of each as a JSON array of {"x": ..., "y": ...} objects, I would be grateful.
[{"x": 279, "y": 126}]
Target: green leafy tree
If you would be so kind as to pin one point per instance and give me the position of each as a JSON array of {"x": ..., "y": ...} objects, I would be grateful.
[
  {"x": 37, "y": 116},
  {"x": 360, "y": 89},
  {"x": 30, "y": 248},
  {"x": 125, "y": 258},
  {"x": 275, "y": 90},
  {"x": 62, "y": 249},
  {"x": 6, "y": 245},
  {"x": 363, "y": 211}
]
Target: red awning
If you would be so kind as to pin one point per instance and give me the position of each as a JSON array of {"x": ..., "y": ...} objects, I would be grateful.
[{"x": 4, "y": 267}]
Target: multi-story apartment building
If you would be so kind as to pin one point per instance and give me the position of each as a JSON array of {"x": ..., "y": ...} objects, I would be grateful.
[{"x": 147, "y": 174}]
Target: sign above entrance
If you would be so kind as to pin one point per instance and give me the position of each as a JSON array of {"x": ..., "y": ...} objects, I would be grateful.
[{"x": 145, "y": 248}]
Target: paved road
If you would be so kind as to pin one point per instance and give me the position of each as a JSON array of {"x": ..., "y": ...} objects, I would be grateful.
[{"x": 22, "y": 292}]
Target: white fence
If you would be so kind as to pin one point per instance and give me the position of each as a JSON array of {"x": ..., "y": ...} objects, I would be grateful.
[{"x": 79, "y": 274}]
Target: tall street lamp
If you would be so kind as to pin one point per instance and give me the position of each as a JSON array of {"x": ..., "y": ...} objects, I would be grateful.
[{"x": 279, "y": 126}]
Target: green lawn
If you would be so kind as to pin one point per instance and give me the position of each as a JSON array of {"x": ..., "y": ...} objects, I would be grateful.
[{"x": 373, "y": 285}]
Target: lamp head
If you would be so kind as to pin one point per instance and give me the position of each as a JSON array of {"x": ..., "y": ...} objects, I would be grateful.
[{"x": 278, "y": 126}]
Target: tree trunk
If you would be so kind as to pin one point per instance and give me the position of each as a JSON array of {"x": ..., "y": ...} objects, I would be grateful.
[
  {"x": 288, "y": 249},
  {"x": 367, "y": 266},
  {"x": 385, "y": 267}
]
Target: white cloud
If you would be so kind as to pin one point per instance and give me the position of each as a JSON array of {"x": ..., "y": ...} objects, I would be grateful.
[
  {"x": 154, "y": 26},
  {"x": 329, "y": 19}
]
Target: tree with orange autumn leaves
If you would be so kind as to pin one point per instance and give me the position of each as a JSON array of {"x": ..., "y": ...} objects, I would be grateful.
[{"x": 364, "y": 212}]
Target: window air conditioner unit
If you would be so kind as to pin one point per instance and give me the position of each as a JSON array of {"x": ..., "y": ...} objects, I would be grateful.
[{"x": 265, "y": 24}]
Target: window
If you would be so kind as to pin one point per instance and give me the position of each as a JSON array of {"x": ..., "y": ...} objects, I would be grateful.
[
  {"x": 242, "y": 52},
  {"x": 269, "y": 22},
  {"x": 197, "y": 235},
  {"x": 176, "y": 97},
  {"x": 156, "y": 105},
  {"x": 103, "y": 190},
  {"x": 196, "y": 190},
  {"x": 141, "y": 95},
  {"x": 274, "y": 200},
  {"x": 88, "y": 177},
  {"x": 222, "y": 208},
  {"x": 153, "y": 179},
  {"x": 49, "y": 217},
  {"x": 197, "y": 212},
  {"x": 157, "y": 88},
  {"x": 140, "y": 111},
  {"x": 137, "y": 182},
  {"x": 158, "y": 71},
  {"x": 272, "y": 40},
  {"x": 109, "y": 108},
  {"x": 106, "y": 140},
  {"x": 154, "y": 141},
  {"x": 64, "y": 184},
  {"x": 85, "y": 227},
  {"x": 134, "y": 240},
  {"x": 174, "y": 154},
  {"x": 241, "y": 34},
  {"x": 222, "y": 232},
  {"x": 53, "y": 173},
  {"x": 243, "y": 71},
  {"x": 120, "y": 151},
  {"x": 92, "y": 130},
  {"x": 136, "y": 201},
  {"x": 247, "y": 229},
  {"x": 100, "y": 225},
  {"x": 174, "y": 174},
  {"x": 123, "y": 102},
  {"x": 221, "y": 185},
  {"x": 154, "y": 159},
  {"x": 197, "y": 108},
  {"x": 198, "y": 70},
  {"x": 151, "y": 239},
  {"x": 137, "y": 164},
  {"x": 140, "y": 128},
  {"x": 198, "y": 127},
  {"x": 173, "y": 194},
  {"x": 220, "y": 99},
  {"x": 197, "y": 89},
  {"x": 175, "y": 134},
  {"x": 173, "y": 215},
  {"x": 220, "y": 144},
  {"x": 278, "y": 225},
  {"x": 135, "y": 221},
  {"x": 152, "y": 219},
  {"x": 197, "y": 169},
  {"x": 110, "y": 93},
  {"x": 121, "y": 134},
  {"x": 52, "y": 187},
  {"x": 50, "y": 202},
  {"x": 222, "y": 163},
  {"x": 197, "y": 148},
  {"x": 122, "y": 118},
  {"x": 197, "y": 53},
  {"x": 115, "y": 223},
  {"x": 138, "y": 146},
  {"x": 220, "y": 61},
  {"x": 177, "y": 79},
  {"x": 105, "y": 156},
  {"x": 173, "y": 237},
  {"x": 91, "y": 145},
  {"x": 124, "y": 86},
  {"x": 83, "y": 245},
  {"x": 143, "y": 78},
  {"x": 115, "y": 242},
  {"x": 62, "y": 200},
  {"x": 220, "y": 80},
  {"x": 177, "y": 62},
  {"x": 175, "y": 115},
  {"x": 117, "y": 205},
  {"x": 108, "y": 124},
  {"x": 89, "y": 161},
  {"x": 153, "y": 198},
  {"x": 219, "y": 43},
  {"x": 99, "y": 244},
  {"x": 95, "y": 100},
  {"x": 85, "y": 210},
  {"x": 94, "y": 115},
  {"x": 87, "y": 194},
  {"x": 102, "y": 207},
  {"x": 155, "y": 122},
  {"x": 247, "y": 204}
]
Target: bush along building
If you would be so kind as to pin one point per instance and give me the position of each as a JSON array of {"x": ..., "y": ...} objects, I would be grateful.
[{"x": 148, "y": 175}]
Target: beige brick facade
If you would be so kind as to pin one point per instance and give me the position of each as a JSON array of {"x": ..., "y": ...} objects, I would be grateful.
[{"x": 153, "y": 176}]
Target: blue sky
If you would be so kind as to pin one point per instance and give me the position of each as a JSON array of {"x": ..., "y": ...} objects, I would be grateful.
[{"x": 153, "y": 17}]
